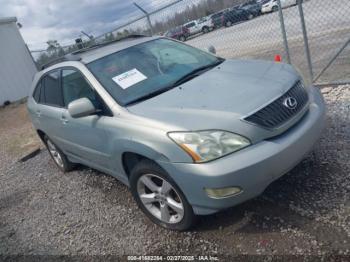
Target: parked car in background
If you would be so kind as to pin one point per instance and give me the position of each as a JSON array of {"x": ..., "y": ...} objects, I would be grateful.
[
  {"x": 272, "y": 5},
  {"x": 235, "y": 15},
  {"x": 203, "y": 25},
  {"x": 206, "y": 24},
  {"x": 252, "y": 7},
  {"x": 188, "y": 132},
  {"x": 180, "y": 33},
  {"x": 217, "y": 19}
]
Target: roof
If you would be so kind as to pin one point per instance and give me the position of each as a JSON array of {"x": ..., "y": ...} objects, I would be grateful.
[
  {"x": 92, "y": 53},
  {"x": 104, "y": 50},
  {"x": 7, "y": 20}
]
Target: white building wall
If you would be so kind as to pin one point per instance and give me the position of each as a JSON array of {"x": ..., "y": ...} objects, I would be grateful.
[{"x": 17, "y": 67}]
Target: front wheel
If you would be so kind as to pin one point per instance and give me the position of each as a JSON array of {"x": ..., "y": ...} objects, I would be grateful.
[
  {"x": 182, "y": 38},
  {"x": 228, "y": 23},
  {"x": 58, "y": 156},
  {"x": 205, "y": 30},
  {"x": 275, "y": 8},
  {"x": 159, "y": 197},
  {"x": 250, "y": 16}
]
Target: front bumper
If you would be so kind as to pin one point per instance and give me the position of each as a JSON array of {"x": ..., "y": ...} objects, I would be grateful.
[{"x": 252, "y": 168}]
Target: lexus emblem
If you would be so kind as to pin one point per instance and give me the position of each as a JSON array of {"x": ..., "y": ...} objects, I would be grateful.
[{"x": 290, "y": 102}]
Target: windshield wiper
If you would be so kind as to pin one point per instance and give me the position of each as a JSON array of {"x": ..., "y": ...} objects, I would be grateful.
[
  {"x": 148, "y": 96},
  {"x": 196, "y": 72},
  {"x": 183, "y": 79}
]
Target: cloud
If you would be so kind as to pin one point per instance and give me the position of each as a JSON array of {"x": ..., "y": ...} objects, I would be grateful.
[{"x": 63, "y": 20}]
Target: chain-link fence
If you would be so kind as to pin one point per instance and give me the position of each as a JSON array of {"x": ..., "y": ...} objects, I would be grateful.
[{"x": 313, "y": 35}]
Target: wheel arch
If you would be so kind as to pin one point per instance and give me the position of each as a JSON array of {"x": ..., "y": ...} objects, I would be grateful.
[
  {"x": 135, "y": 152},
  {"x": 41, "y": 135}
]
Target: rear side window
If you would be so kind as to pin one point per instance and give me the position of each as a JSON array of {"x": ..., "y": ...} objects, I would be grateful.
[
  {"x": 51, "y": 93},
  {"x": 36, "y": 94},
  {"x": 190, "y": 25}
]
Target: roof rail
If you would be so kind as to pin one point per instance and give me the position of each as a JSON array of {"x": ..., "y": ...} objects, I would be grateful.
[
  {"x": 67, "y": 57},
  {"x": 73, "y": 55},
  {"x": 107, "y": 43}
]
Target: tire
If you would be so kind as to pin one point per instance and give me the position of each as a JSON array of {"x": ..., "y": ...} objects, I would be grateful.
[
  {"x": 205, "y": 29},
  {"x": 182, "y": 38},
  {"x": 228, "y": 23},
  {"x": 59, "y": 158},
  {"x": 274, "y": 8},
  {"x": 158, "y": 206},
  {"x": 250, "y": 17}
]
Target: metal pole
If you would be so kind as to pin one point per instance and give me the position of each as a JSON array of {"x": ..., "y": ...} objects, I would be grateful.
[
  {"x": 138, "y": 19},
  {"x": 306, "y": 41},
  {"x": 147, "y": 16},
  {"x": 283, "y": 28},
  {"x": 332, "y": 60}
]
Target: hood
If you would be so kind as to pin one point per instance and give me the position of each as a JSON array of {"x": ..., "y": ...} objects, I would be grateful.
[{"x": 234, "y": 89}]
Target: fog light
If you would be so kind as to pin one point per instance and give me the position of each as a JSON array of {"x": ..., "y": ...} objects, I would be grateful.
[{"x": 222, "y": 192}]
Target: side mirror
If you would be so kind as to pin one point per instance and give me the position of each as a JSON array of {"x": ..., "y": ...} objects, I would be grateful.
[
  {"x": 81, "y": 107},
  {"x": 211, "y": 49}
]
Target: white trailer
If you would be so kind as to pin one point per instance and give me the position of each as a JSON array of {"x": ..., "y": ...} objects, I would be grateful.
[{"x": 17, "y": 67}]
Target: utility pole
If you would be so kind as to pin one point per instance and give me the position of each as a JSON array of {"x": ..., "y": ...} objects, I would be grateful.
[{"x": 89, "y": 36}]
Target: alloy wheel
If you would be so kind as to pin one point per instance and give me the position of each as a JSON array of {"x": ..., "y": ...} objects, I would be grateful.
[
  {"x": 55, "y": 154},
  {"x": 160, "y": 198}
]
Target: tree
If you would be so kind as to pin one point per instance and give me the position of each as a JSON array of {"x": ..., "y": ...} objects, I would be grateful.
[{"x": 53, "y": 45}]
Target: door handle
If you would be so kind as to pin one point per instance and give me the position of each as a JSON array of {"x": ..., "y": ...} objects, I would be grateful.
[
  {"x": 64, "y": 120},
  {"x": 38, "y": 113}
]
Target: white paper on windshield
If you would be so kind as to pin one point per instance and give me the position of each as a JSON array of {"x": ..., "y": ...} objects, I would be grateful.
[{"x": 129, "y": 78}]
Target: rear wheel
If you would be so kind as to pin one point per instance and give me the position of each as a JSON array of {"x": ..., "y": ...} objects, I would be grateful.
[
  {"x": 58, "y": 156},
  {"x": 250, "y": 16},
  {"x": 228, "y": 23},
  {"x": 205, "y": 29},
  {"x": 182, "y": 38},
  {"x": 159, "y": 197}
]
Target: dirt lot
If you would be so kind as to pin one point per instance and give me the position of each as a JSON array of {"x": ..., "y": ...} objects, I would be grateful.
[
  {"x": 84, "y": 212},
  {"x": 16, "y": 133}
]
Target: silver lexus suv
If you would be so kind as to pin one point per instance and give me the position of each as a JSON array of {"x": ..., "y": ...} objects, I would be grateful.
[{"x": 188, "y": 132}]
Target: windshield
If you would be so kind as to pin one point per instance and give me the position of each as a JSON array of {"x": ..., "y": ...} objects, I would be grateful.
[{"x": 148, "y": 68}]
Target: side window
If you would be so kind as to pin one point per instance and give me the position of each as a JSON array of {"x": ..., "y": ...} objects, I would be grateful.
[
  {"x": 36, "y": 94},
  {"x": 51, "y": 93},
  {"x": 75, "y": 86}
]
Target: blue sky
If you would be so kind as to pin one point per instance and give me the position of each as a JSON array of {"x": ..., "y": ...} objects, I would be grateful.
[{"x": 63, "y": 20}]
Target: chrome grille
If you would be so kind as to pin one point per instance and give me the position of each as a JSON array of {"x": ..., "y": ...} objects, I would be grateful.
[{"x": 277, "y": 113}]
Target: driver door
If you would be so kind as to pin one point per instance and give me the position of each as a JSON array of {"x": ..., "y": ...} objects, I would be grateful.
[{"x": 84, "y": 138}]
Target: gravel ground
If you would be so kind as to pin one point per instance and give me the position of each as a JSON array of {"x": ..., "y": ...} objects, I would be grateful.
[{"x": 306, "y": 212}]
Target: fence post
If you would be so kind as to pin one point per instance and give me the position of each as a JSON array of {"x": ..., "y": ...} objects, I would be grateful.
[
  {"x": 306, "y": 40},
  {"x": 283, "y": 28},
  {"x": 147, "y": 16}
]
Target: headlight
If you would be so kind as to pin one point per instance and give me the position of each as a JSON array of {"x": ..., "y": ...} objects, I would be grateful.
[{"x": 204, "y": 146}]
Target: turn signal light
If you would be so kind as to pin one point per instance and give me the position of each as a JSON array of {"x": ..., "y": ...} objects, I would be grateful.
[{"x": 222, "y": 192}]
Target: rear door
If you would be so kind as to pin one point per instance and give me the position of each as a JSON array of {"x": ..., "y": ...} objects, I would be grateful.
[
  {"x": 191, "y": 27},
  {"x": 234, "y": 16},
  {"x": 50, "y": 106}
]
